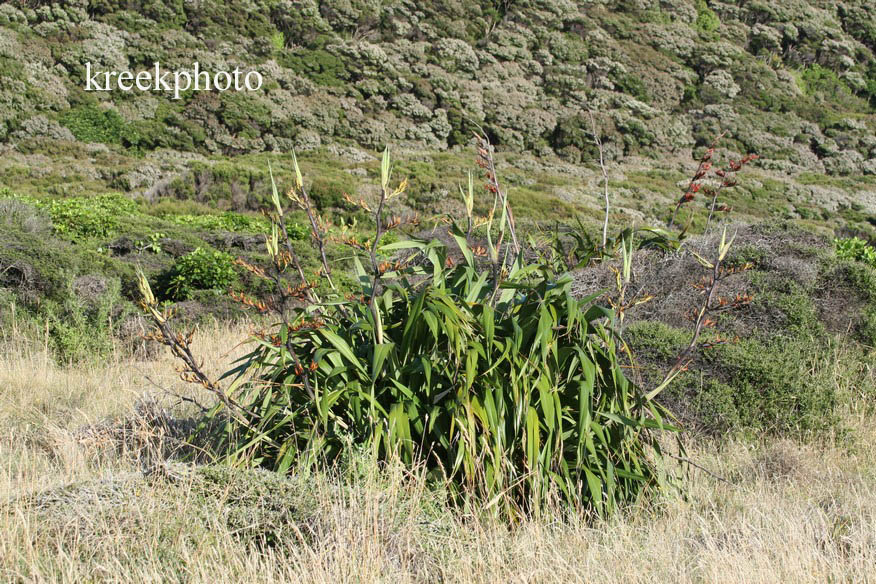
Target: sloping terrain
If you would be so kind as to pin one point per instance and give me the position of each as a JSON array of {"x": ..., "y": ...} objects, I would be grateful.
[{"x": 791, "y": 81}]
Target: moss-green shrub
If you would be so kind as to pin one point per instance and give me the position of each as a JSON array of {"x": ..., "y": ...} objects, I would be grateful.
[
  {"x": 753, "y": 384},
  {"x": 85, "y": 217},
  {"x": 816, "y": 79},
  {"x": 231, "y": 221},
  {"x": 202, "y": 269},
  {"x": 707, "y": 21},
  {"x": 319, "y": 65},
  {"x": 330, "y": 193},
  {"x": 83, "y": 329},
  {"x": 90, "y": 123}
]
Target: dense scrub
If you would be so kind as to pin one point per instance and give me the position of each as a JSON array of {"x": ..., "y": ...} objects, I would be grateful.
[{"x": 794, "y": 83}]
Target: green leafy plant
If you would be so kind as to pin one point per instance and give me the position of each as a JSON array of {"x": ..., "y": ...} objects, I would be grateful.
[
  {"x": 201, "y": 269},
  {"x": 151, "y": 243},
  {"x": 90, "y": 123},
  {"x": 857, "y": 249},
  {"x": 707, "y": 21},
  {"x": 482, "y": 367},
  {"x": 234, "y": 222},
  {"x": 85, "y": 217}
]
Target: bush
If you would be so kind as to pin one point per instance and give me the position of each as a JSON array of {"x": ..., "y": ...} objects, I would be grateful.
[
  {"x": 85, "y": 217},
  {"x": 707, "y": 21},
  {"x": 494, "y": 376},
  {"x": 778, "y": 386},
  {"x": 855, "y": 249},
  {"x": 234, "y": 222},
  {"x": 524, "y": 397},
  {"x": 817, "y": 79},
  {"x": 83, "y": 329},
  {"x": 199, "y": 270},
  {"x": 90, "y": 123}
]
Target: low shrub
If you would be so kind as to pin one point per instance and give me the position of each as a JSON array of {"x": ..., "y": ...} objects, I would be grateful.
[
  {"x": 90, "y": 123},
  {"x": 202, "y": 269},
  {"x": 778, "y": 386},
  {"x": 85, "y": 217},
  {"x": 856, "y": 249},
  {"x": 82, "y": 329},
  {"x": 234, "y": 222}
]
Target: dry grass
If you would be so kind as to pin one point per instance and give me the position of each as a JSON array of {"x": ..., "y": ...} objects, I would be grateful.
[{"x": 74, "y": 507}]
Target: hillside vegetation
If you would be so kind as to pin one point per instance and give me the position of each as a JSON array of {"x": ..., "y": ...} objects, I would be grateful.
[{"x": 793, "y": 81}]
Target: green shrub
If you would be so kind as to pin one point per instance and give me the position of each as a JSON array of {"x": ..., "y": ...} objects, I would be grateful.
[
  {"x": 817, "y": 79},
  {"x": 201, "y": 269},
  {"x": 330, "y": 193},
  {"x": 84, "y": 217},
  {"x": 707, "y": 21},
  {"x": 80, "y": 330},
  {"x": 90, "y": 123},
  {"x": 856, "y": 249},
  {"x": 779, "y": 385},
  {"x": 319, "y": 65},
  {"x": 234, "y": 222},
  {"x": 278, "y": 40}
]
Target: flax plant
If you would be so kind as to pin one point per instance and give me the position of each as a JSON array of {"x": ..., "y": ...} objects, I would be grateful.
[{"x": 472, "y": 362}]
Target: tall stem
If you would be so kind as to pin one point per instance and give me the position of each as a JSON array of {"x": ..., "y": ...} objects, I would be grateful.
[{"x": 601, "y": 149}]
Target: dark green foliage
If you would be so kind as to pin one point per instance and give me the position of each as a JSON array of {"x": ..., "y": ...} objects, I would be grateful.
[
  {"x": 321, "y": 66},
  {"x": 514, "y": 392},
  {"x": 852, "y": 284},
  {"x": 633, "y": 85},
  {"x": 870, "y": 90},
  {"x": 202, "y": 269},
  {"x": 90, "y": 123},
  {"x": 330, "y": 193},
  {"x": 169, "y": 12},
  {"x": 84, "y": 329},
  {"x": 816, "y": 79},
  {"x": 169, "y": 129},
  {"x": 779, "y": 385},
  {"x": 575, "y": 131},
  {"x": 244, "y": 116}
]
